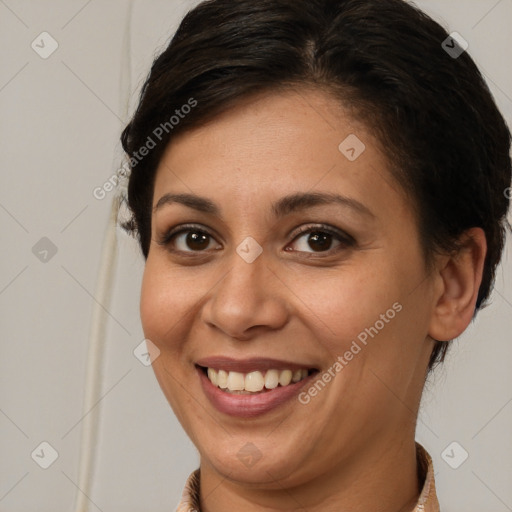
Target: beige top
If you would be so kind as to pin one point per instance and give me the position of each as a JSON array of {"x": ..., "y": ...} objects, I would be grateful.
[{"x": 427, "y": 501}]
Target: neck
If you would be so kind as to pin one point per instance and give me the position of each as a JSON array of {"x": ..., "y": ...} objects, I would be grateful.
[{"x": 382, "y": 478}]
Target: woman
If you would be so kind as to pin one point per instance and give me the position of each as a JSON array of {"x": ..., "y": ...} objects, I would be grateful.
[{"x": 319, "y": 190}]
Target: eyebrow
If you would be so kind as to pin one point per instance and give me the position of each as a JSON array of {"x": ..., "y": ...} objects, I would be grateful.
[{"x": 282, "y": 207}]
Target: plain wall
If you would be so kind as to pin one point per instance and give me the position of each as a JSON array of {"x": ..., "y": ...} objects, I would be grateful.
[{"x": 60, "y": 122}]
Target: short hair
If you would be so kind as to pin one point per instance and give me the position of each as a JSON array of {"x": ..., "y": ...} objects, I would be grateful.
[{"x": 385, "y": 61}]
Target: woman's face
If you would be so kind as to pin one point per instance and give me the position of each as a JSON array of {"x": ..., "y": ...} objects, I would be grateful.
[{"x": 241, "y": 287}]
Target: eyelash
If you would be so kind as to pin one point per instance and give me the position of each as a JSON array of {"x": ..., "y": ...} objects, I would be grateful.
[{"x": 345, "y": 240}]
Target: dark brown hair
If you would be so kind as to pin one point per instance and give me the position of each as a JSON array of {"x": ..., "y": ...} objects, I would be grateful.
[{"x": 446, "y": 141}]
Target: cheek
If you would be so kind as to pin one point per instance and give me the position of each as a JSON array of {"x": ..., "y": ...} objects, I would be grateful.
[
  {"x": 152, "y": 305},
  {"x": 163, "y": 307},
  {"x": 346, "y": 301},
  {"x": 369, "y": 317},
  {"x": 163, "y": 303}
]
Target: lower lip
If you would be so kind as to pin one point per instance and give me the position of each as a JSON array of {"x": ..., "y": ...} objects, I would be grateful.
[{"x": 248, "y": 406}]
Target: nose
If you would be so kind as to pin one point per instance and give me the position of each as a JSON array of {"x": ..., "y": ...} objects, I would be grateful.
[{"x": 249, "y": 300}]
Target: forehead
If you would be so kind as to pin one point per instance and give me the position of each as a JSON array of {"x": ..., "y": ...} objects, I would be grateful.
[{"x": 276, "y": 143}]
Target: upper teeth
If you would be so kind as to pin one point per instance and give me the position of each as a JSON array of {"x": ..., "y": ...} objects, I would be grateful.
[{"x": 254, "y": 381}]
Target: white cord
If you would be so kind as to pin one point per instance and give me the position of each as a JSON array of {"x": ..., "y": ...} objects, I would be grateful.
[
  {"x": 93, "y": 380},
  {"x": 98, "y": 329}
]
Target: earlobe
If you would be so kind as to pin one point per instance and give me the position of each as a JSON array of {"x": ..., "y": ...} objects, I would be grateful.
[{"x": 459, "y": 277}]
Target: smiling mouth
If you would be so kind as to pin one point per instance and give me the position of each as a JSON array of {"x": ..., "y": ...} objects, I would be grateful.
[{"x": 254, "y": 382}]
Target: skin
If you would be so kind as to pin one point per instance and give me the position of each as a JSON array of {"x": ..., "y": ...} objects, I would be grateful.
[{"x": 352, "y": 446}]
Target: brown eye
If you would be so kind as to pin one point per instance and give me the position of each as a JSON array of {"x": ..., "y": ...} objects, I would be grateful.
[
  {"x": 311, "y": 240},
  {"x": 318, "y": 240},
  {"x": 189, "y": 240},
  {"x": 196, "y": 240}
]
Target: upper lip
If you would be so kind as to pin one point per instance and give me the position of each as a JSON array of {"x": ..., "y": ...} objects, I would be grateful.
[{"x": 249, "y": 365}]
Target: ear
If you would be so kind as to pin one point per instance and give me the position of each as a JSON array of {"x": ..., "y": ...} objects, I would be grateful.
[{"x": 458, "y": 279}]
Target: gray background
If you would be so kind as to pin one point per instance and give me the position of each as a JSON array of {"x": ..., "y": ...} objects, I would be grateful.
[{"x": 60, "y": 121}]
